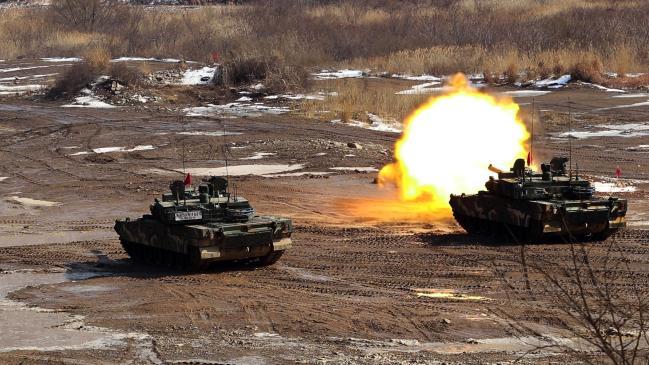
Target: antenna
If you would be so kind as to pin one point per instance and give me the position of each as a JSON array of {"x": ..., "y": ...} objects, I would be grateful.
[
  {"x": 532, "y": 132},
  {"x": 225, "y": 157},
  {"x": 570, "y": 140}
]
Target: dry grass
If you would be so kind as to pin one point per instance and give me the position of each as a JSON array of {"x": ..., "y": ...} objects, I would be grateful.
[
  {"x": 534, "y": 36},
  {"x": 356, "y": 98}
]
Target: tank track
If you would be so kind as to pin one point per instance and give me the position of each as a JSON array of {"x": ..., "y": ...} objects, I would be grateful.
[
  {"x": 186, "y": 262},
  {"x": 497, "y": 230},
  {"x": 511, "y": 233}
]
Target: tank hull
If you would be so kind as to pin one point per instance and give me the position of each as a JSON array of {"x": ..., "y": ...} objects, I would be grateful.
[
  {"x": 486, "y": 213},
  {"x": 195, "y": 246}
]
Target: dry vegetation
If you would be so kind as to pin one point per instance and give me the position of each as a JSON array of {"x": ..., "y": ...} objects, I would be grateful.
[{"x": 503, "y": 37}]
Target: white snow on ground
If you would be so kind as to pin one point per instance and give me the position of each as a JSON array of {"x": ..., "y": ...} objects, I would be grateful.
[
  {"x": 61, "y": 59},
  {"x": 361, "y": 169},
  {"x": 152, "y": 59},
  {"x": 600, "y": 87},
  {"x": 244, "y": 98},
  {"x": 19, "y": 89},
  {"x": 303, "y": 173},
  {"x": 340, "y": 74},
  {"x": 12, "y": 78},
  {"x": 417, "y": 78},
  {"x": 3, "y": 178},
  {"x": 31, "y": 202},
  {"x": 318, "y": 96},
  {"x": 236, "y": 109},
  {"x": 636, "y": 95},
  {"x": 639, "y": 148},
  {"x": 193, "y": 77},
  {"x": 14, "y": 69},
  {"x": 526, "y": 93},
  {"x": 424, "y": 88},
  {"x": 376, "y": 123},
  {"x": 612, "y": 130},
  {"x": 609, "y": 187},
  {"x": 634, "y": 105},
  {"x": 240, "y": 170},
  {"x": 89, "y": 101},
  {"x": 258, "y": 156},
  {"x": 210, "y": 134},
  {"x": 115, "y": 149},
  {"x": 553, "y": 83}
]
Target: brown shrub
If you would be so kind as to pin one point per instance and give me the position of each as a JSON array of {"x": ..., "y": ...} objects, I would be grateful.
[
  {"x": 275, "y": 75},
  {"x": 588, "y": 71},
  {"x": 98, "y": 59},
  {"x": 129, "y": 75},
  {"x": 511, "y": 73},
  {"x": 77, "y": 77}
]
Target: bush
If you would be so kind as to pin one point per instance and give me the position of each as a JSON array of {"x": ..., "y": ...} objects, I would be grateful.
[
  {"x": 275, "y": 75},
  {"x": 129, "y": 75},
  {"x": 588, "y": 71},
  {"x": 98, "y": 59},
  {"x": 77, "y": 77}
]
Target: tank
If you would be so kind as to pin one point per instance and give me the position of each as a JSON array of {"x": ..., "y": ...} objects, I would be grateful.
[
  {"x": 528, "y": 205},
  {"x": 190, "y": 228}
]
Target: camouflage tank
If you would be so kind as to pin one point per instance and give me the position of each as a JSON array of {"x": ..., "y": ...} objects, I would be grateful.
[
  {"x": 527, "y": 205},
  {"x": 191, "y": 228}
]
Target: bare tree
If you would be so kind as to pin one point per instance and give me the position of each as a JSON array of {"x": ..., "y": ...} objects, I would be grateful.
[
  {"x": 84, "y": 15},
  {"x": 600, "y": 306}
]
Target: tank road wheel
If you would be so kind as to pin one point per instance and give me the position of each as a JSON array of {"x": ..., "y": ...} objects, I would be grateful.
[
  {"x": 469, "y": 224},
  {"x": 270, "y": 259}
]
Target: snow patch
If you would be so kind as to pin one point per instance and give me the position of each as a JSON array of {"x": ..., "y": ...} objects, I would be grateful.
[
  {"x": 634, "y": 105},
  {"x": 526, "y": 93},
  {"x": 61, "y": 59},
  {"x": 298, "y": 174},
  {"x": 636, "y": 95},
  {"x": 152, "y": 59},
  {"x": 197, "y": 77},
  {"x": 244, "y": 98},
  {"x": 32, "y": 202},
  {"x": 340, "y": 74},
  {"x": 640, "y": 148},
  {"x": 600, "y": 87},
  {"x": 240, "y": 170},
  {"x": 609, "y": 187},
  {"x": 553, "y": 83},
  {"x": 612, "y": 130},
  {"x": 258, "y": 156},
  {"x": 3, "y": 178},
  {"x": 19, "y": 89},
  {"x": 14, "y": 69},
  {"x": 88, "y": 101},
  {"x": 376, "y": 123},
  {"x": 417, "y": 78},
  {"x": 147, "y": 147},
  {"x": 236, "y": 109}
]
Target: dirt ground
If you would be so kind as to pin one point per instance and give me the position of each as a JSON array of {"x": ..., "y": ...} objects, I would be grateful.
[{"x": 353, "y": 289}]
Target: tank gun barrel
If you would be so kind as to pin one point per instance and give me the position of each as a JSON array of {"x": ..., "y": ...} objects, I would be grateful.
[{"x": 493, "y": 168}]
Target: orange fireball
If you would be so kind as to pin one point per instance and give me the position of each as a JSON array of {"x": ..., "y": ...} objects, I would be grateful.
[{"x": 449, "y": 141}]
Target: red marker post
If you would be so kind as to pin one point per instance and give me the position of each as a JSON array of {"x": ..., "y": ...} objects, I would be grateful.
[
  {"x": 618, "y": 172},
  {"x": 188, "y": 179}
]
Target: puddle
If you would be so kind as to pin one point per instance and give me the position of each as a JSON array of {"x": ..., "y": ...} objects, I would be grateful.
[
  {"x": 240, "y": 170},
  {"x": 447, "y": 294},
  {"x": 25, "y": 328},
  {"x": 31, "y": 202}
]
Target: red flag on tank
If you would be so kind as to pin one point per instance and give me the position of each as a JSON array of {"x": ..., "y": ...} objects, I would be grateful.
[
  {"x": 618, "y": 172},
  {"x": 529, "y": 158},
  {"x": 188, "y": 179}
]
